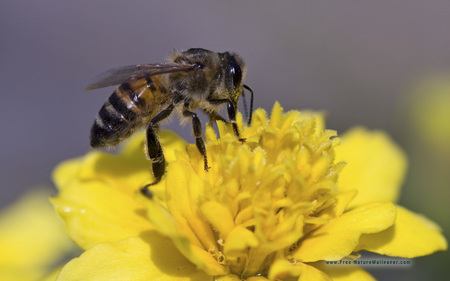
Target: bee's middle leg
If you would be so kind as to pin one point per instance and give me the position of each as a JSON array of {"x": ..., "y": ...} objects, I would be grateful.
[
  {"x": 197, "y": 128},
  {"x": 154, "y": 149}
]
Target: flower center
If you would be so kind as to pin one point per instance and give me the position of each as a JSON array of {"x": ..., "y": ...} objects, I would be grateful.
[{"x": 260, "y": 197}]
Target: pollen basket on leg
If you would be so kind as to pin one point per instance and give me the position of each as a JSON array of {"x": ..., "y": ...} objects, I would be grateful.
[{"x": 260, "y": 197}]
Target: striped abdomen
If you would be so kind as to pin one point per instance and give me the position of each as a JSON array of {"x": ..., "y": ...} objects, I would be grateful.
[{"x": 125, "y": 111}]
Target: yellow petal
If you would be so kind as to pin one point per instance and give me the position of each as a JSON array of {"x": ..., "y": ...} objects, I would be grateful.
[
  {"x": 345, "y": 273},
  {"x": 281, "y": 269},
  {"x": 338, "y": 208},
  {"x": 412, "y": 235},
  {"x": 172, "y": 144},
  {"x": 310, "y": 273},
  {"x": 127, "y": 170},
  {"x": 238, "y": 242},
  {"x": 339, "y": 237},
  {"x": 94, "y": 212},
  {"x": 219, "y": 216},
  {"x": 181, "y": 203},
  {"x": 151, "y": 258},
  {"x": 96, "y": 199},
  {"x": 32, "y": 238},
  {"x": 165, "y": 224},
  {"x": 168, "y": 225},
  {"x": 276, "y": 116},
  {"x": 375, "y": 166}
]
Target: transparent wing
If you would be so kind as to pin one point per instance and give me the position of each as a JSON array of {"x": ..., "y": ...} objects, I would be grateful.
[{"x": 122, "y": 74}]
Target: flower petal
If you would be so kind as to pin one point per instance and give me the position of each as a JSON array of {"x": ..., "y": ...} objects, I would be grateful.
[
  {"x": 180, "y": 203},
  {"x": 181, "y": 220},
  {"x": 339, "y": 237},
  {"x": 32, "y": 238},
  {"x": 166, "y": 226},
  {"x": 219, "y": 216},
  {"x": 311, "y": 273},
  {"x": 127, "y": 171},
  {"x": 238, "y": 242},
  {"x": 338, "y": 208},
  {"x": 375, "y": 166},
  {"x": 96, "y": 198},
  {"x": 94, "y": 211},
  {"x": 345, "y": 273},
  {"x": 412, "y": 235},
  {"x": 151, "y": 258},
  {"x": 281, "y": 269}
]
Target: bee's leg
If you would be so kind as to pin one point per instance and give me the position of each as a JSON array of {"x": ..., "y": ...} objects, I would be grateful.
[
  {"x": 249, "y": 122},
  {"x": 154, "y": 149},
  {"x": 197, "y": 128},
  {"x": 231, "y": 109}
]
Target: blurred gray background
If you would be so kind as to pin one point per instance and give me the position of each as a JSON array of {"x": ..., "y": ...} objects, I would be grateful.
[{"x": 355, "y": 60}]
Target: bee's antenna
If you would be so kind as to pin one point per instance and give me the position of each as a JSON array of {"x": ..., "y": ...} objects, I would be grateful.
[{"x": 251, "y": 104}]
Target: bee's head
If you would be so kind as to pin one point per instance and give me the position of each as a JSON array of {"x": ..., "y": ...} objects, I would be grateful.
[
  {"x": 225, "y": 70},
  {"x": 234, "y": 71}
]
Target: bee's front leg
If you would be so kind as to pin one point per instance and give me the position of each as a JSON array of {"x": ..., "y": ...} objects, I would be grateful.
[{"x": 231, "y": 109}]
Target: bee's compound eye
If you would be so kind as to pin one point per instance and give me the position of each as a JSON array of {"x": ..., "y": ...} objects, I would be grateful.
[{"x": 235, "y": 71}]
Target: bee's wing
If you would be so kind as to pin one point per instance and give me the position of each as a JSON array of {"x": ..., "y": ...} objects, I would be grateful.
[{"x": 128, "y": 73}]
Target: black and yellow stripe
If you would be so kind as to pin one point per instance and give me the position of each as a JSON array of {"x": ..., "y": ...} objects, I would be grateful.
[
  {"x": 118, "y": 117},
  {"x": 125, "y": 110}
]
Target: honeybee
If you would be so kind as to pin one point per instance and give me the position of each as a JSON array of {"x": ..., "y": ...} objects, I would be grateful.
[{"x": 149, "y": 93}]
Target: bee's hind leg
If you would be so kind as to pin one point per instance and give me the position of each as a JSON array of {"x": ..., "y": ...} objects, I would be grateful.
[{"x": 154, "y": 150}]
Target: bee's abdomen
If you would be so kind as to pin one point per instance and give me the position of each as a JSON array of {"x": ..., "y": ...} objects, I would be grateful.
[{"x": 118, "y": 117}]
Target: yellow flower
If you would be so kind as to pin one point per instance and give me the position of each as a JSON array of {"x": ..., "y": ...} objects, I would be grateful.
[
  {"x": 271, "y": 208},
  {"x": 32, "y": 238}
]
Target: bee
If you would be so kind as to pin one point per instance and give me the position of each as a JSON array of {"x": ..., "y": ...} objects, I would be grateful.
[{"x": 149, "y": 93}]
